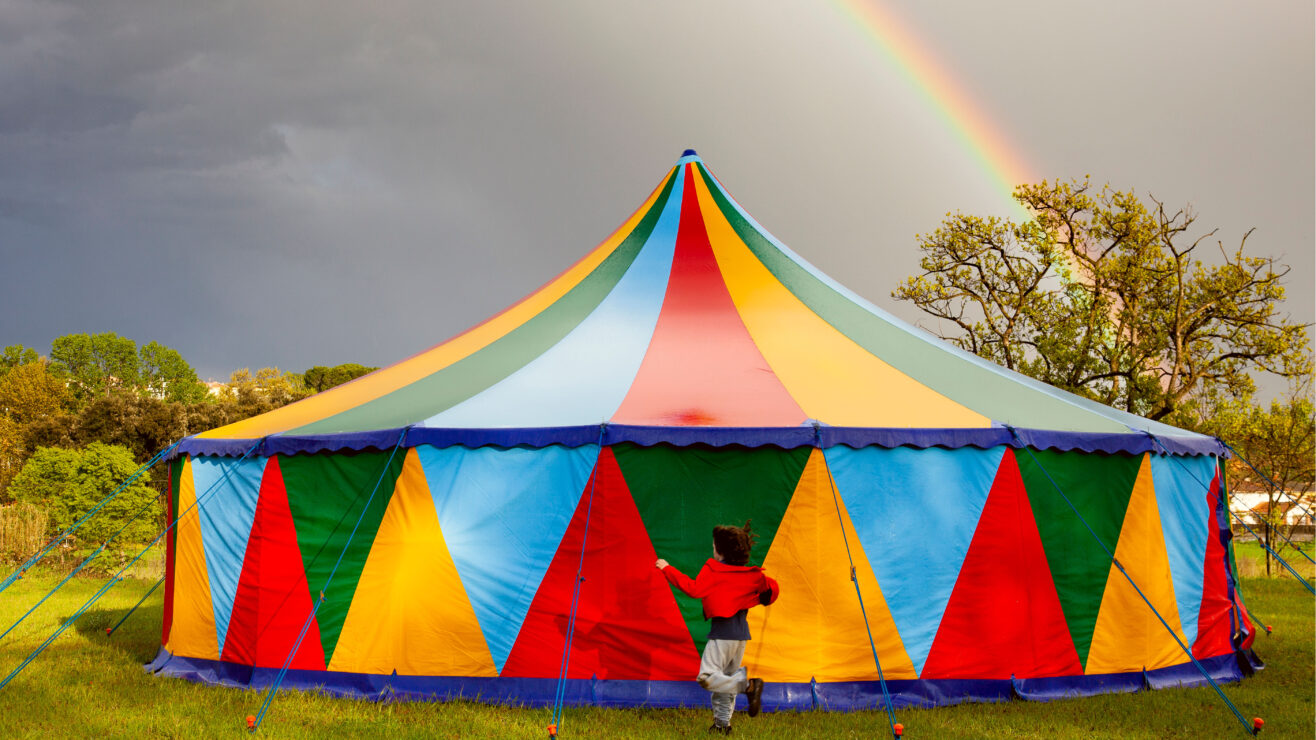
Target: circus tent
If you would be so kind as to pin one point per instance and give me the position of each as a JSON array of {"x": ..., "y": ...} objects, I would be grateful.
[{"x": 418, "y": 532}]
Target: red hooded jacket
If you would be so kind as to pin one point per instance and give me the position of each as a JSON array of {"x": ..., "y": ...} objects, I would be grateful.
[{"x": 725, "y": 589}]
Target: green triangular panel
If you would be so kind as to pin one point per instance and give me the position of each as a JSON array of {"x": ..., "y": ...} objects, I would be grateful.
[
  {"x": 1099, "y": 486},
  {"x": 682, "y": 493},
  {"x": 326, "y": 495}
]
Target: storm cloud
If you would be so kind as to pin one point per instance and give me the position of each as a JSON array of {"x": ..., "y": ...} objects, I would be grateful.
[{"x": 304, "y": 183}]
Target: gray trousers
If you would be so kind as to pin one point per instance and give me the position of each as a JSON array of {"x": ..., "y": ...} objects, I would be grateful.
[{"x": 721, "y": 673}]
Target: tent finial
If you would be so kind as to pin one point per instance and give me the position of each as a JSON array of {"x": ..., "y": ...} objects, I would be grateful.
[{"x": 689, "y": 153}]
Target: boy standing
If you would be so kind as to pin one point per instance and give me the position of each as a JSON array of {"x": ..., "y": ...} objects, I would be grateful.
[{"x": 727, "y": 587}]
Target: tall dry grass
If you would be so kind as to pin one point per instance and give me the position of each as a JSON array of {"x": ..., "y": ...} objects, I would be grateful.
[{"x": 22, "y": 531}]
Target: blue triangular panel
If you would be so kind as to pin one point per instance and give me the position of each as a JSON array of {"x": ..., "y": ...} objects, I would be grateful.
[
  {"x": 1182, "y": 485},
  {"x": 915, "y": 512},
  {"x": 226, "y": 492},
  {"x": 503, "y": 513}
]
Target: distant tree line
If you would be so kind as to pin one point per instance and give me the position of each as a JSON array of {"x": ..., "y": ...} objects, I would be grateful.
[{"x": 76, "y": 422}]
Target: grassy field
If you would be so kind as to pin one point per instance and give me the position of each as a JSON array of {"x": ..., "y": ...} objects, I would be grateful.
[
  {"x": 1252, "y": 563},
  {"x": 88, "y": 685}
]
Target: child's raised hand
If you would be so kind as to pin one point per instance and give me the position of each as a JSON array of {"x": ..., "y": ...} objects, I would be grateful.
[{"x": 661, "y": 564}]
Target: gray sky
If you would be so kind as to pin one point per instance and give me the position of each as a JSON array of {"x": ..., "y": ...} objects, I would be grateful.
[{"x": 310, "y": 183}]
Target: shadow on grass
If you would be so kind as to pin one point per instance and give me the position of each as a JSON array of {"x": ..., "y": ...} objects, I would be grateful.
[{"x": 138, "y": 638}]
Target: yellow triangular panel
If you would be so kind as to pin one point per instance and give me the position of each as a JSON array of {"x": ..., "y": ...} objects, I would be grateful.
[
  {"x": 410, "y": 613},
  {"x": 1128, "y": 636},
  {"x": 816, "y": 629},
  {"x": 193, "y": 631}
]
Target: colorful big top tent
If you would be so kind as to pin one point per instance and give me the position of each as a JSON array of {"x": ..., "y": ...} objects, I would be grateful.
[{"x": 417, "y": 533}]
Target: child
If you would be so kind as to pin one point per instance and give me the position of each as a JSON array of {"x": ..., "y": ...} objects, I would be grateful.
[{"x": 727, "y": 586}]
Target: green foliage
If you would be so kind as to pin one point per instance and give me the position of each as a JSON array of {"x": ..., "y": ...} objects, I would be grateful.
[
  {"x": 30, "y": 392},
  {"x": 144, "y": 425},
  {"x": 319, "y": 378},
  {"x": 67, "y": 483},
  {"x": 1101, "y": 294},
  {"x": 165, "y": 374},
  {"x": 12, "y": 452},
  {"x": 265, "y": 390},
  {"x": 1279, "y": 439},
  {"x": 15, "y": 355},
  {"x": 96, "y": 364}
]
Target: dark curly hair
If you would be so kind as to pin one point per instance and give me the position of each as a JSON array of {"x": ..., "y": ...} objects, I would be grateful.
[{"x": 734, "y": 543}]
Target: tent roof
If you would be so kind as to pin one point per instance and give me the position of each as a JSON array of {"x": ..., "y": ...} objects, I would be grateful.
[{"x": 692, "y": 324}]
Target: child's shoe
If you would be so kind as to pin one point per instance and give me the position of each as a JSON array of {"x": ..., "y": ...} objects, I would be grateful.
[
  {"x": 755, "y": 693},
  {"x": 717, "y": 729}
]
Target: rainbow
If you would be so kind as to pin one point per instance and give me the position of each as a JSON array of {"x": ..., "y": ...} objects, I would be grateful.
[{"x": 962, "y": 116}]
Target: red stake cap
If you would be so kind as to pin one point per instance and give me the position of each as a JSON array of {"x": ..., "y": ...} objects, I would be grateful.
[
  {"x": 552, "y": 730},
  {"x": 1258, "y": 723},
  {"x": 251, "y": 721},
  {"x": 899, "y": 728},
  {"x": 107, "y": 630}
]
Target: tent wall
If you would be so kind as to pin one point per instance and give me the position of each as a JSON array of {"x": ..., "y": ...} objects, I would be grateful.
[{"x": 978, "y": 579}]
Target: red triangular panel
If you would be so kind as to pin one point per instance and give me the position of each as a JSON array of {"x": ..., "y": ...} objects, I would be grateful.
[
  {"x": 1004, "y": 617},
  {"x": 1213, "y": 622},
  {"x": 272, "y": 601},
  {"x": 628, "y": 625},
  {"x": 171, "y": 544},
  {"x": 702, "y": 368}
]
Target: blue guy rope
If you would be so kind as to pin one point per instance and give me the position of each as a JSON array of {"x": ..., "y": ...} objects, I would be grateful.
[
  {"x": 560, "y": 696},
  {"x": 1240, "y": 519},
  {"x": 1276, "y": 555},
  {"x": 141, "y": 510},
  {"x": 111, "y": 630},
  {"x": 54, "y": 542},
  {"x": 1248, "y": 727},
  {"x": 1262, "y": 542},
  {"x": 893, "y": 725},
  {"x": 117, "y": 576},
  {"x": 1286, "y": 495},
  {"x": 283, "y": 671}
]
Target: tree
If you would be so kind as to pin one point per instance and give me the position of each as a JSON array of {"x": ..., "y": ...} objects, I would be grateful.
[
  {"x": 29, "y": 392},
  {"x": 12, "y": 454},
  {"x": 165, "y": 374},
  {"x": 267, "y": 389},
  {"x": 318, "y": 379},
  {"x": 142, "y": 424},
  {"x": 15, "y": 355},
  {"x": 96, "y": 364},
  {"x": 1279, "y": 439},
  {"x": 67, "y": 483},
  {"x": 1101, "y": 294}
]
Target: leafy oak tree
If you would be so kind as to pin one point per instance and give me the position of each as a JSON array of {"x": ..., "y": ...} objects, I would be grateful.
[{"x": 1103, "y": 294}]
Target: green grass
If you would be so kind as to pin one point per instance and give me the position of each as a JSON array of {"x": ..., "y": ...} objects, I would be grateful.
[
  {"x": 88, "y": 685},
  {"x": 1252, "y": 563}
]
